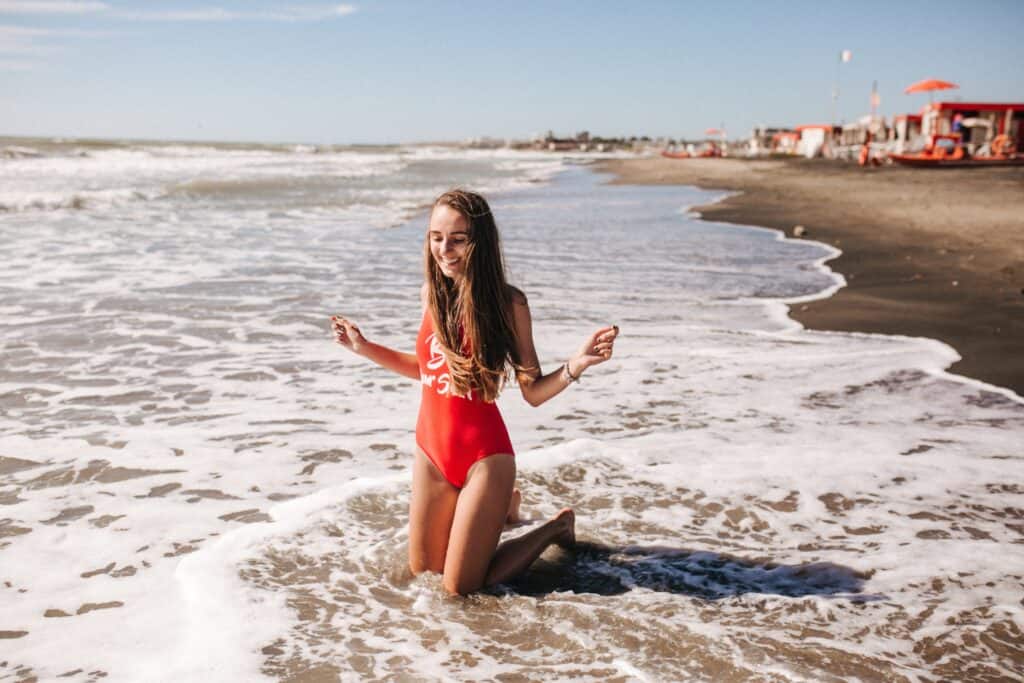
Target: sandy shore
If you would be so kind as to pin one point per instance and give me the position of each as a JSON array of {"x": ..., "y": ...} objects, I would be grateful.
[{"x": 932, "y": 253}]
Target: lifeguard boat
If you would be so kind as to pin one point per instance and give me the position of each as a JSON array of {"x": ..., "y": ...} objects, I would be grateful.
[
  {"x": 949, "y": 150},
  {"x": 675, "y": 155},
  {"x": 710, "y": 150}
]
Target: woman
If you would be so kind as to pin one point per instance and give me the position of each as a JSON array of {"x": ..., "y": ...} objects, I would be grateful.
[{"x": 476, "y": 333}]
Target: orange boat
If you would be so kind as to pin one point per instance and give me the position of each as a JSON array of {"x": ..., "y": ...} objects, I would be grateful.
[
  {"x": 942, "y": 151},
  {"x": 710, "y": 151}
]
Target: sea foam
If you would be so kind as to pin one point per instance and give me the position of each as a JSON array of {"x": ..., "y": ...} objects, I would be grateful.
[{"x": 188, "y": 459}]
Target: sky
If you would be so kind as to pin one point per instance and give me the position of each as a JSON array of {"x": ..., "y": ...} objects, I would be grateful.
[{"x": 380, "y": 71}]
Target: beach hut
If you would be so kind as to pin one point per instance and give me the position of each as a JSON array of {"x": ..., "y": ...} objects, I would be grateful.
[
  {"x": 867, "y": 130},
  {"x": 766, "y": 141},
  {"x": 814, "y": 137},
  {"x": 968, "y": 134},
  {"x": 785, "y": 142},
  {"x": 904, "y": 133},
  {"x": 984, "y": 127}
]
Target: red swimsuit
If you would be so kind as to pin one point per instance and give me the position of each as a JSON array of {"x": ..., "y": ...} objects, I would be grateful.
[{"x": 453, "y": 431}]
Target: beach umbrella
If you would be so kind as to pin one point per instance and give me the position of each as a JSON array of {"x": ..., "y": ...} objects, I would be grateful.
[{"x": 929, "y": 85}]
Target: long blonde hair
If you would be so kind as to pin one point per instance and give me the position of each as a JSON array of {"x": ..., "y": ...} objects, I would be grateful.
[{"x": 473, "y": 317}]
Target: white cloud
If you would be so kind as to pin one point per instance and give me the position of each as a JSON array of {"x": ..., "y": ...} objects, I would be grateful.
[
  {"x": 9, "y": 31},
  {"x": 204, "y": 14},
  {"x": 25, "y": 41},
  {"x": 306, "y": 13},
  {"x": 12, "y": 33},
  {"x": 291, "y": 13},
  {"x": 50, "y": 7}
]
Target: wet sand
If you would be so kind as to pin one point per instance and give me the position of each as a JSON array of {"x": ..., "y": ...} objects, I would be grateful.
[{"x": 926, "y": 253}]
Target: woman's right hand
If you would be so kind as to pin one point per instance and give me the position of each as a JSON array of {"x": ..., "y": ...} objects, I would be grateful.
[{"x": 347, "y": 334}]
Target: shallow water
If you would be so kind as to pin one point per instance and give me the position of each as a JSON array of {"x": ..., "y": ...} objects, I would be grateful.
[{"x": 198, "y": 485}]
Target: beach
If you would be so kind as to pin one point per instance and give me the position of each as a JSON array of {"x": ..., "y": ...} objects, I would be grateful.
[
  {"x": 925, "y": 253},
  {"x": 199, "y": 484}
]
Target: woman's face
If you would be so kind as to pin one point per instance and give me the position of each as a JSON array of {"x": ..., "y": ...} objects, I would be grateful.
[{"x": 448, "y": 235}]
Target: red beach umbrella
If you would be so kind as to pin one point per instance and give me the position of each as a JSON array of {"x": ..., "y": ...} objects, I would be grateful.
[
  {"x": 713, "y": 131},
  {"x": 929, "y": 85}
]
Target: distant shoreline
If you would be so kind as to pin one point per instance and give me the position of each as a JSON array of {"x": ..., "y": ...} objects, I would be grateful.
[
  {"x": 554, "y": 146},
  {"x": 926, "y": 253},
  {"x": 114, "y": 142}
]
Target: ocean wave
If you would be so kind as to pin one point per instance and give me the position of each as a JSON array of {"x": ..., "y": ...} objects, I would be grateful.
[
  {"x": 16, "y": 152},
  {"x": 76, "y": 201},
  {"x": 228, "y": 188}
]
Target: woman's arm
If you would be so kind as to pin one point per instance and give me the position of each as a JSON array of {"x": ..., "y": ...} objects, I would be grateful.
[
  {"x": 347, "y": 334},
  {"x": 535, "y": 385}
]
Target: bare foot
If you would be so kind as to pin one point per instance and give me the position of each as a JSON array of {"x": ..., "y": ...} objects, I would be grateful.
[
  {"x": 513, "y": 508},
  {"x": 567, "y": 538}
]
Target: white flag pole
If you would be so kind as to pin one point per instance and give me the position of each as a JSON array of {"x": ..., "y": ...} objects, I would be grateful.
[{"x": 844, "y": 56}]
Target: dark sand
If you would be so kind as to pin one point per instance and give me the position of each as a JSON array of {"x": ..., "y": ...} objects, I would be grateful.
[{"x": 926, "y": 252}]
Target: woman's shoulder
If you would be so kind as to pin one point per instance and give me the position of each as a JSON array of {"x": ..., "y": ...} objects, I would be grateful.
[{"x": 517, "y": 296}]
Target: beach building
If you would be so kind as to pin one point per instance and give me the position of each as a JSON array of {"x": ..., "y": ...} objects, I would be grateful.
[
  {"x": 785, "y": 142},
  {"x": 814, "y": 137},
  {"x": 585, "y": 142},
  {"x": 984, "y": 127},
  {"x": 765, "y": 141},
  {"x": 905, "y": 133},
  {"x": 869, "y": 129},
  {"x": 486, "y": 142}
]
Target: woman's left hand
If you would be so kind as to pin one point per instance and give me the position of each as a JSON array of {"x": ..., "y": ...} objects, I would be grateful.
[{"x": 598, "y": 349}]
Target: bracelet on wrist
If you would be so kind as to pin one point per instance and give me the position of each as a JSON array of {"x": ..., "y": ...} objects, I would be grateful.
[{"x": 568, "y": 373}]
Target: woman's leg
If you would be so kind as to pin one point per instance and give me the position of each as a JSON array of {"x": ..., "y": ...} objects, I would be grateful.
[
  {"x": 474, "y": 559},
  {"x": 513, "y": 507},
  {"x": 431, "y": 510},
  {"x": 479, "y": 518},
  {"x": 515, "y": 557}
]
